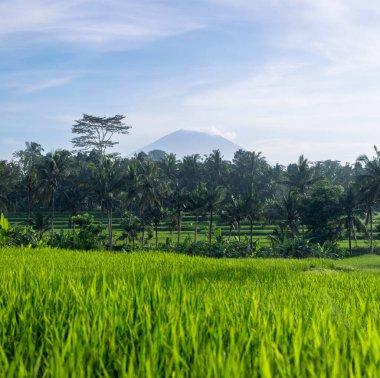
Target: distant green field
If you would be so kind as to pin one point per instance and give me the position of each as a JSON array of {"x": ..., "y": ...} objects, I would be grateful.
[
  {"x": 86, "y": 314},
  {"x": 260, "y": 232}
]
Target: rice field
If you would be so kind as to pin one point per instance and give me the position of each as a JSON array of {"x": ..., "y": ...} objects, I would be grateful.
[
  {"x": 260, "y": 230},
  {"x": 88, "y": 314}
]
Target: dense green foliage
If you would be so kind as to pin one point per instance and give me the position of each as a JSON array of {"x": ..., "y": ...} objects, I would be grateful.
[
  {"x": 82, "y": 314},
  {"x": 316, "y": 202}
]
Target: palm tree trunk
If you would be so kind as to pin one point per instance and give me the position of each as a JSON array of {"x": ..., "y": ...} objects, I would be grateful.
[
  {"x": 251, "y": 232},
  {"x": 292, "y": 229},
  {"x": 210, "y": 229},
  {"x": 109, "y": 213},
  {"x": 52, "y": 215},
  {"x": 350, "y": 237},
  {"x": 29, "y": 204},
  {"x": 371, "y": 228},
  {"x": 179, "y": 226},
  {"x": 196, "y": 229},
  {"x": 74, "y": 233},
  {"x": 143, "y": 237},
  {"x": 156, "y": 231}
]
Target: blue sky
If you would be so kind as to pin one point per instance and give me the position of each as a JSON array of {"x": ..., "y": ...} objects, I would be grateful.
[{"x": 284, "y": 77}]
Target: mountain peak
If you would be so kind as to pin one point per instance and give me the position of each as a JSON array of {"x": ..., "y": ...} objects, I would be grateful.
[{"x": 187, "y": 142}]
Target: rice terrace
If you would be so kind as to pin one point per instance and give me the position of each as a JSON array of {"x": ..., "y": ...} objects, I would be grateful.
[{"x": 189, "y": 189}]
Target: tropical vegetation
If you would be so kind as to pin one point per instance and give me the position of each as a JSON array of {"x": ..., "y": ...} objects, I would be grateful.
[{"x": 310, "y": 204}]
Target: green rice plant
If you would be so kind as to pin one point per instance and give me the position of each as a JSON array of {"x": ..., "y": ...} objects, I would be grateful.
[{"x": 85, "y": 314}]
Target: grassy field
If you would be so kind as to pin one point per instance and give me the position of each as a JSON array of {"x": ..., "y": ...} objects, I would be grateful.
[
  {"x": 86, "y": 314},
  {"x": 260, "y": 232}
]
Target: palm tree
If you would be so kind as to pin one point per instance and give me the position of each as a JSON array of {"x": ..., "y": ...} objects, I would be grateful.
[
  {"x": 351, "y": 214},
  {"x": 197, "y": 206},
  {"x": 300, "y": 176},
  {"x": 110, "y": 181},
  {"x": 168, "y": 167},
  {"x": 369, "y": 183},
  {"x": 248, "y": 167},
  {"x": 179, "y": 200},
  {"x": 131, "y": 225},
  {"x": 8, "y": 181},
  {"x": 27, "y": 160},
  {"x": 190, "y": 172},
  {"x": 150, "y": 190},
  {"x": 51, "y": 170},
  {"x": 286, "y": 210},
  {"x": 253, "y": 209},
  {"x": 213, "y": 199},
  {"x": 216, "y": 169},
  {"x": 77, "y": 185},
  {"x": 233, "y": 213},
  {"x": 157, "y": 214}
]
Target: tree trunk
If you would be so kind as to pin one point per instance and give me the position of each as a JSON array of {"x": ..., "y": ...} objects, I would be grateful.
[
  {"x": 210, "y": 229},
  {"x": 109, "y": 213},
  {"x": 74, "y": 233},
  {"x": 371, "y": 229},
  {"x": 239, "y": 231},
  {"x": 52, "y": 215},
  {"x": 196, "y": 229},
  {"x": 156, "y": 231},
  {"x": 29, "y": 203},
  {"x": 251, "y": 232},
  {"x": 349, "y": 237},
  {"x": 179, "y": 226},
  {"x": 143, "y": 237}
]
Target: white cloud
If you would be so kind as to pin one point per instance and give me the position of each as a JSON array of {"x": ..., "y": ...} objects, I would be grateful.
[
  {"x": 47, "y": 84},
  {"x": 213, "y": 130},
  {"x": 111, "y": 25}
]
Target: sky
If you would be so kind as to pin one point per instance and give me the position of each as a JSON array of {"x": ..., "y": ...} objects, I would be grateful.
[{"x": 283, "y": 77}]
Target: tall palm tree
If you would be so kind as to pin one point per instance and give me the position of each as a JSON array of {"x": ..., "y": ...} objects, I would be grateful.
[
  {"x": 248, "y": 167},
  {"x": 369, "y": 183},
  {"x": 286, "y": 211},
  {"x": 149, "y": 191},
  {"x": 52, "y": 169},
  {"x": 233, "y": 213},
  {"x": 190, "y": 172},
  {"x": 168, "y": 167},
  {"x": 352, "y": 212},
  {"x": 253, "y": 209},
  {"x": 300, "y": 176},
  {"x": 216, "y": 169},
  {"x": 197, "y": 206},
  {"x": 77, "y": 185},
  {"x": 110, "y": 182},
  {"x": 28, "y": 160},
  {"x": 8, "y": 180},
  {"x": 213, "y": 199},
  {"x": 131, "y": 225},
  {"x": 157, "y": 214},
  {"x": 179, "y": 200}
]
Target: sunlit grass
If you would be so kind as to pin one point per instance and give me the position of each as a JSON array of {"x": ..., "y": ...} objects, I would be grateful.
[{"x": 65, "y": 313}]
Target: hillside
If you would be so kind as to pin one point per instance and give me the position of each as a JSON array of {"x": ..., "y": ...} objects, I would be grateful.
[{"x": 185, "y": 142}]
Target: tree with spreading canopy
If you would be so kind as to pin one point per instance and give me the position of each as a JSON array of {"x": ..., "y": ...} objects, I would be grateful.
[{"x": 95, "y": 133}]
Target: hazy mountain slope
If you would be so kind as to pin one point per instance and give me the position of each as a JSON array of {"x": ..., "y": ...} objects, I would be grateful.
[{"x": 184, "y": 142}]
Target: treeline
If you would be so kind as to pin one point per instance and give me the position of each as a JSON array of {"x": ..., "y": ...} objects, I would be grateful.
[{"x": 310, "y": 203}]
